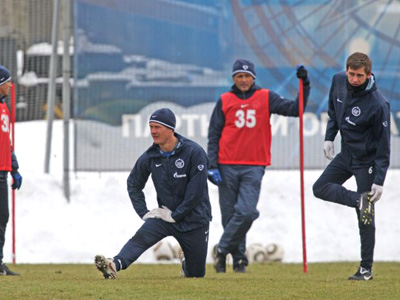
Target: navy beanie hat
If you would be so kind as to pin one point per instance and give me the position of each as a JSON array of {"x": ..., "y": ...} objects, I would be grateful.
[
  {"x": 243, "y": 66},
  {"x": 164, "y": 116},
  {"x": 4, "y": 75}
]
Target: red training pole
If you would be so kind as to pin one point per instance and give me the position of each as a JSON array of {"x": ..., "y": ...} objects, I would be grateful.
[
  {"x": 12, "y": 148},
  {"x": 303, "y": 221}
]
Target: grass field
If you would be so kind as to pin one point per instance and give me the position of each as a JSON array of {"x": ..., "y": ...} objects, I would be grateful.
[{"x": 268, "y": 281}]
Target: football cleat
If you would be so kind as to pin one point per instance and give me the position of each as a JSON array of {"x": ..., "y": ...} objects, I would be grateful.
[
  {"x": 4, "y": 270},
  {"x": 366, "y": 209},
  {"x": 106, "y": 266},
  {"x": 240, "y": 267},
  {"x": 220, "y": 263},
  {"x": 362, "y": 274}
]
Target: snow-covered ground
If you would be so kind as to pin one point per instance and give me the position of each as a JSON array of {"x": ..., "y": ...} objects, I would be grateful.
[{"x": 100, "y": 217}]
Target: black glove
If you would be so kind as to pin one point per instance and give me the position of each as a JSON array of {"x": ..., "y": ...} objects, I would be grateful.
[{"x": 302, "y": 73}]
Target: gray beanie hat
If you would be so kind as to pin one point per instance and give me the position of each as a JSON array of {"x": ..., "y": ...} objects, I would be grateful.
[{"x": 243, "y": 66}]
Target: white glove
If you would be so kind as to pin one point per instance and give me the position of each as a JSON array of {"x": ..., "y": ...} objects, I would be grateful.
[
  {"x": 376, "y": 193},
  {"x": 150, "y": 214},
  {"x": 329, "y": 150},
  {"x": 163, "y": 213}
]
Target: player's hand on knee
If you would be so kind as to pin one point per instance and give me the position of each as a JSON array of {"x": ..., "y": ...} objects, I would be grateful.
[
  {"x": 376, "y": 193},
  {"x": 329, "y": 150},
  {"x": 166, "y": 214},
  {"x": 163, "y": 213},
  {"x": 149, "y": 215}
]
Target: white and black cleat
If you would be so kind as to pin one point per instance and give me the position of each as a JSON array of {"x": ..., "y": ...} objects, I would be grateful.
[{"x": 106, "y": 266}]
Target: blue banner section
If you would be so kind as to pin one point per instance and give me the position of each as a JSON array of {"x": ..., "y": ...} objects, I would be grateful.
[{"x": 130, "y": 54}]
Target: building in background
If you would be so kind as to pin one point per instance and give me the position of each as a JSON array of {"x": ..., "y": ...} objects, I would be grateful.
[
  {"x": 25, "y": 48},
  {"x": 131, "y": 57}
]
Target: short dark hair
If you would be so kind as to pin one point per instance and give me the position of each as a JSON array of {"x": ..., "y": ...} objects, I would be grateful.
[{"x": 358, "y": 60}]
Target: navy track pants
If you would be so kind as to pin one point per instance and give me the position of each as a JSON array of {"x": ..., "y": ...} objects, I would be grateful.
[
  {"x": 4, "y": 211},
  {"x": 193, "y": 243},
  {"x": 329, "y": 187},
  {"x": 238, "y": 197}
]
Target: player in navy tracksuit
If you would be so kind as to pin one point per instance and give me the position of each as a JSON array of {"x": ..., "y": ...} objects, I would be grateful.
[
  {"x": 362, "y": 115},
  {"x": 239, "y": 143},
  {"x": 178, "y": 168},
  {"x": 8, "y": 163}
]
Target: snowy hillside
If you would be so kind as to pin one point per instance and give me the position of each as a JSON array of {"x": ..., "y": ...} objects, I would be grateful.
[{"x": 100, "y": 217}]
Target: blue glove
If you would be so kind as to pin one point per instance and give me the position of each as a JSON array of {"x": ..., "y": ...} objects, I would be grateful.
[
  {"x": 214, "y": 176},
  {"x": 302, "y": 73},
  {"x": 17, "y": 180}
]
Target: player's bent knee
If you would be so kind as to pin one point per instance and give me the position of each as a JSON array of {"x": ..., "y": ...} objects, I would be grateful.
[
  {"x": 248, "y": 216},
  {"x": 251, "y": 216},
  {"x": 317, "y": 189}
]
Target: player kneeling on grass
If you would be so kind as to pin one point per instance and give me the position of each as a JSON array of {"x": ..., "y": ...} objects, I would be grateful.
[{"x": 178, "y": 168}]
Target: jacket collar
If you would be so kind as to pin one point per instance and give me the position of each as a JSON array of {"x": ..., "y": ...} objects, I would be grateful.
[
  {"x": 367, "y": 87},
  {"x": 245, "y": 95}
]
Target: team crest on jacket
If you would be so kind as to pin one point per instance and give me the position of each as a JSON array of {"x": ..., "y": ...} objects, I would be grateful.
[
  {"x": 200, "y": 167},
  {"x": 356, "y": 111},
  {"x": 179, "y": 163}
]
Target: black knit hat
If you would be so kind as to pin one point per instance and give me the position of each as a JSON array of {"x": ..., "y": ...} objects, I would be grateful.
[
  {"x": 4, "y": 75},
  {"x": 164, "y": 116},
  {"x": 243, "y": 66}
]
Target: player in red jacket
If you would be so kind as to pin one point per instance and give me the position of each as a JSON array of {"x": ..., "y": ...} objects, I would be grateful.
[
  {"x": 8, "y": 163},
  {"x": 239, "y": 146}
]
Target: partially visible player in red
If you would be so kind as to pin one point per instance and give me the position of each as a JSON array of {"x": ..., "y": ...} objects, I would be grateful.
[{"x": 8, "y": 163}]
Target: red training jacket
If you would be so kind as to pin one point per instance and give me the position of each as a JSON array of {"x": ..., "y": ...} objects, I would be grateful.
[
  {"x": 246, "y": 136},
  {"x": 5, "y": 147}
]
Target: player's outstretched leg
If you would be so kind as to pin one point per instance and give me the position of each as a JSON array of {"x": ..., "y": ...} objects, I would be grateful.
[{"x": 106, "y": 266}]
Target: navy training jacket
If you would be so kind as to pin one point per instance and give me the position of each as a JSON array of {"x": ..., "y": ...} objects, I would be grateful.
[
  {"x": 363, "y": 119},
  {"x": 180, "y": 182}
]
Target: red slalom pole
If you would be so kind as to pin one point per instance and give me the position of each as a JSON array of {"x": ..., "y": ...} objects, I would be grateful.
[
  {"x": 12, "y": 149},
  {"x": 303, "y": 221}
]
